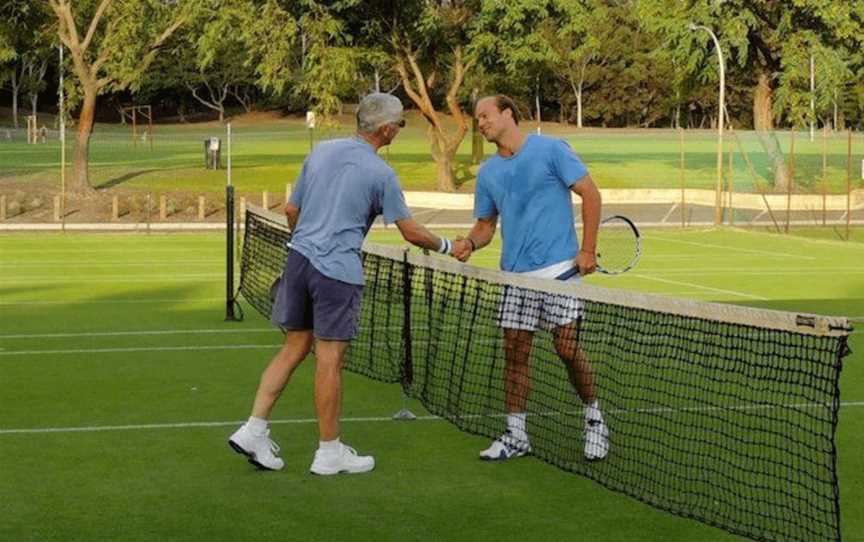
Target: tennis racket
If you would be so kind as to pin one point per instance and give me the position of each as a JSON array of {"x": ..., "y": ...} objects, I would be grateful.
[{"x": 618, "y": 247}]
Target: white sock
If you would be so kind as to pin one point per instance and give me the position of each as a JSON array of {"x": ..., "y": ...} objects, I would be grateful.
[
  {"x": 329, "y": 445},
  {"x": 257, "y": 426},
  {"x": 516, "y": 425},
  {"x": 592, "y": 411}
]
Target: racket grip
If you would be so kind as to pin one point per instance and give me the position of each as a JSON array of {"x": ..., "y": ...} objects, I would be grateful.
[{"x": 567, "y": 275}]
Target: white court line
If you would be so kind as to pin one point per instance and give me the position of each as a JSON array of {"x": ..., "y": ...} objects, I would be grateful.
[
  {"x": 744, "y": 271},
  {"x": 378, "y": 419},
  {"x": 138, "y": 251},
  {"x": 128, "y": 333},
  {"x": 115, "y": 302},
  {"x": 208, "y": 277},
  {"x": 140, "y": 349},
  {"x": 668, "y": 214},
  {"x": 732, "y": 249},
  {"x": 707, "y": 288},
  {"x": 67, "y": 264}
]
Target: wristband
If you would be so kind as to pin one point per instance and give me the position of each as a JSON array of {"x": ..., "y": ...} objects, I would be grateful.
[
  {"x": 473, "y": 246},
  {"x": 446, "y": 246}
]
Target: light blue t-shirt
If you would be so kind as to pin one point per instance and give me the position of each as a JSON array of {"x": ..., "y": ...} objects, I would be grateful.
[
  {"x": 343, "y": 187},
  {"x": 530, "y": 191}
]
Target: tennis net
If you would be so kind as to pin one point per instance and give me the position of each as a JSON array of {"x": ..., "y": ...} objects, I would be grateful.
[{"x": 719, "y": 413}]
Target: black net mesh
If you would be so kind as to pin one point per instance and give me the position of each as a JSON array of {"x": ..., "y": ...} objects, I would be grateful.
[{"x": 712, "y": 413}]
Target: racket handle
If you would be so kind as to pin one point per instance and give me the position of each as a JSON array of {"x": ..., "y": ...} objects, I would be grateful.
[{"x": 567, "y": 275}]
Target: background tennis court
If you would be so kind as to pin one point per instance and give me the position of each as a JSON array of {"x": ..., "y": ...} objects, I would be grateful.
[{"x": 127, "y": 346}]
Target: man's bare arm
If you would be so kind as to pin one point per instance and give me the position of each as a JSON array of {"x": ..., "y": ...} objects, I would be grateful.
[
  {"x": 293, "y": 215},
  {"x": 592, "y": 204},
  {"x": 482, "y": 232},
  {"x": 417, "y": 234}
]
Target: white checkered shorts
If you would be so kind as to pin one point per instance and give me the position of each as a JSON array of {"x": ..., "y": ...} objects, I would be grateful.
[{"x": 531, "y": 310}]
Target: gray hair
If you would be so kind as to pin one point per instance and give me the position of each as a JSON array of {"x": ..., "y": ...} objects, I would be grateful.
[{"x": 377, "y": 110}]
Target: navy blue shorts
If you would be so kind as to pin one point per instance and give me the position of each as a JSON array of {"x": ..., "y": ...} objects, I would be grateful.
[{"x": 307, "y": 299}]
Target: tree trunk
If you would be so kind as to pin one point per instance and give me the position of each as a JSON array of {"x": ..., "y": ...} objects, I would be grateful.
[
  {"x": 579, "y": 108},
  {"x": 80, "y": 177},
  {"x": 16, "y": 86},
  {"x": 444, "y": 168},
  {"x": 763, "y": 119},
  {"x": 764, "y": 124},
  {"x": 443, "y": 161}
]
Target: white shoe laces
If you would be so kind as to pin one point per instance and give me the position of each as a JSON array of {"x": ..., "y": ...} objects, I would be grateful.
[{"x": 273, "y": 446}]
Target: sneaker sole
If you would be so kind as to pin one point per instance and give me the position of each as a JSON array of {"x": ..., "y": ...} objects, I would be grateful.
[
  {"x": 596, "y": 457},
  {"x": 249, "y": 457},
  {"x": 499, "y": 458},
  {"x": 341, "y": 471}
]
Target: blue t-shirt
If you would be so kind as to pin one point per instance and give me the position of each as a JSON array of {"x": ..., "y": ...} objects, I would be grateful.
[
  {"x": 531, "y": 192},
  {"x": 343, "y": 187}
]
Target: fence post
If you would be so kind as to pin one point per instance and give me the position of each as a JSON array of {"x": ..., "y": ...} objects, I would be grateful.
[
  {"x": 287, "y": 192},
  {"x": 681, "y": 178},
  {"x": 791, "y": 179},
  {"x": 163, "y": 207},
  {"x": 265, "y": 200},
  {"x": 201, "y": 206},
  {"x": 2, "y": 208},
  {"x": 242, "y": 210},
  {"x": 115, "y": 208},
  {"x": 56, "y": 208},
  {"x": 849, "y": 186}
]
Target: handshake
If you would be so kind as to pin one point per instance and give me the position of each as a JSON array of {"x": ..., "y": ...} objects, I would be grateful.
[{"x": 461, "y": 248}]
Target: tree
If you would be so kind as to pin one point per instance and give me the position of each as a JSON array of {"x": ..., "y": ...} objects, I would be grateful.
[
  {"x": 209, "y": 58},
  {"x": 755, "y": 36},
  {"x": 115, "y": 44},
  {"x": 27, "y": 49},
  {"x": 577, "y": 46},
  {"x": 428, "y": 42},
  {"x": 517, "y": 37}
]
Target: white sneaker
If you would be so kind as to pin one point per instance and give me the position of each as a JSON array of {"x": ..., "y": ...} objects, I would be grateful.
[
  {"x": 506, "y": 447},
  {"x": 596, "y": 440},
  {"x": 259, "y": 450},
  {"x": 344, "y": 460}
]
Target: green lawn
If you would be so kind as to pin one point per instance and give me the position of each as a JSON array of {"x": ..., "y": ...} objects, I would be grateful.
[
  {"x": 122, "y": 337},
  {"x": 268, "y": 154}
]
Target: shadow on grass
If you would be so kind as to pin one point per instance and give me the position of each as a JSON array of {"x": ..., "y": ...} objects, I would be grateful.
[{"x": 110, "y": 183}]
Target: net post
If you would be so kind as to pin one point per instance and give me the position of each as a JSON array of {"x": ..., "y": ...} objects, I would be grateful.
[
  {"x": 405, "y": 413},
  {"x": 229, "y": 255}
]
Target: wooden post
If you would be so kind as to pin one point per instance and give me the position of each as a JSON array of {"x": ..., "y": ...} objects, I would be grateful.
[
  {"x": 730, "y": 186},
  {"x": 791, "y": 179},
  {"x": 2, "y": 208},
  {"x": 115, "y": 208},
  {"x": 163, "y": 207},
  {"x": 56, "y": 208},
  {"x": 849, "y": 186},
  {"x": 681, "y": 177},
  {"x": 287, "y": 192},
  {"x": 824, "y": 173},
  {"x": 265, "y": 200},
  {"x": 242, "y": 210},
  {"x": 201, "y": 203}
]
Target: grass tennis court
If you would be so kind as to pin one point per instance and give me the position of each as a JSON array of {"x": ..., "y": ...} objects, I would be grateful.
[
  {"x": 121, "y": 337},
  {"x": 268, "y": 152}
]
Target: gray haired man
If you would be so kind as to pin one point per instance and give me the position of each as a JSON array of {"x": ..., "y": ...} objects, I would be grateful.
[{"x": 343, "y": 187}]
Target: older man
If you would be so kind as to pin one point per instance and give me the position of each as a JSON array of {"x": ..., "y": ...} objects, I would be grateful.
[{"x": 343, "y": 187}]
